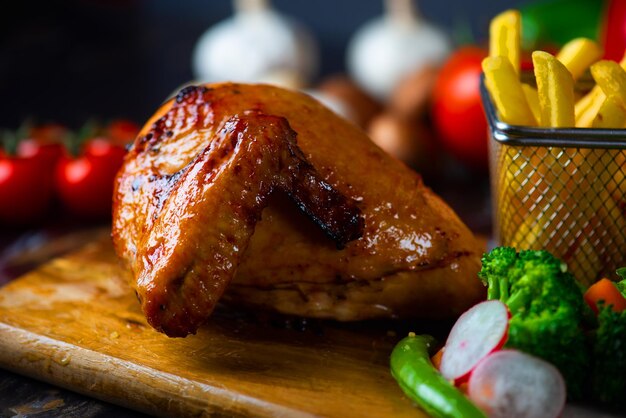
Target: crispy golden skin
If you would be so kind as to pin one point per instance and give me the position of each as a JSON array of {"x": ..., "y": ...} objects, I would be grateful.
[{"x": 415, "y": 257}]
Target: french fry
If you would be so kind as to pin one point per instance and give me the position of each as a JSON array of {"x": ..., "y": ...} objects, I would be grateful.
[
  {"x": 504, "y": 37},
  {"x": 611, "y": 78},
  {"x": 555, "y": 87},
  {"x": 578, "y": 54},
  {"x": 506, "y": 91},
  {"x": 611, "y": 115},
  {"x": 558, "y": 182},
  {"x": 533, "y": 100},
  {"x": 588, "y": 107}
]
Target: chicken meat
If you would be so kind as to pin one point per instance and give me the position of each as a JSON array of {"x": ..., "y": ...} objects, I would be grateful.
[{"x": 260, "y": 196}]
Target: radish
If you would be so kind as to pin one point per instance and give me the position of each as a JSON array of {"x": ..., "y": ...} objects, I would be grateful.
[
  {"x": 512, "y": 384},
  {"x": 478, "y": 332}
]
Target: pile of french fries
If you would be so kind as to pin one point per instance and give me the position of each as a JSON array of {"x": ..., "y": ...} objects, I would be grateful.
[{"x": 568, "y": 201}]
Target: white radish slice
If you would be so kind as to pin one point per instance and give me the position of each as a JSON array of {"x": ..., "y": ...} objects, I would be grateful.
[
  {"x": 478, "y": 332},
  {"x": 512, "y": 384}
]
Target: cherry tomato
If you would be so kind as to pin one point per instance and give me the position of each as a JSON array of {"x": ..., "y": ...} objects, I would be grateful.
[
  {"x": 26, "y": 182},
  {"x": 122, "y": 131},
  {"x": 457, "y": 110},
  {"x": 50, "y": 133},
  {"x": 85, "y": 183}
]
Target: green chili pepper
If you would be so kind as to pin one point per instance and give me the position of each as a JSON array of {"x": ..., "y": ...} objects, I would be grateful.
[{"x": 418, "y": 378}]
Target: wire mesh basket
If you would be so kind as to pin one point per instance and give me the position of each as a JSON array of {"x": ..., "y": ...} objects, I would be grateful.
[{"x": 563, "y": 190}]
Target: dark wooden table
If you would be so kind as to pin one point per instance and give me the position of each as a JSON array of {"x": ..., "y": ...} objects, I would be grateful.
[{"x": 24, "y": 397}]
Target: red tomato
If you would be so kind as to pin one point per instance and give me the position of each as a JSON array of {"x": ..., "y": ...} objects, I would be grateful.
[
  {"x": 122, "y": 131},
  {"x": 49, "y": 133},
  {"x": 26, "y": 182},
  {"x": 457, "y": 111},
  {"x": 47, "y": 152},
  {"x": 85, "y": 184}
]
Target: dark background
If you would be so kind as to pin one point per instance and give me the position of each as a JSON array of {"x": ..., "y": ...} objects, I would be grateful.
[{"x": 67, "y": 61}]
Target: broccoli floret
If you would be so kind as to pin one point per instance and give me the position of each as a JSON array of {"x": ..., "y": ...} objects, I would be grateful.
[
  {"x": 546, "y": 307},
  {"x": 495, "y": 270},
  {"x": 621, "y": 272},
  {"x": 609, "y": 356}
]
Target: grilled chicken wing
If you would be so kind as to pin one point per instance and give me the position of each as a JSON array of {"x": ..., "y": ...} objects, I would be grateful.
[{"x": 205, "y": 198}]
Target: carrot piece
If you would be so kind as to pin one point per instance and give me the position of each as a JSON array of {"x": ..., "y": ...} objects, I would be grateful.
[
  {"x": 605, "y": 290},
  {"x": 436, "y": 358}
]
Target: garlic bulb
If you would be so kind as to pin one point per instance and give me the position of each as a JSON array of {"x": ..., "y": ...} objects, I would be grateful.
[
  {"x": 255, "y": 44},
  {"x": 386, "y": 49}
]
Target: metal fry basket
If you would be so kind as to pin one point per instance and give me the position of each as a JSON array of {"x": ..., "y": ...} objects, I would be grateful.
[{"x": 563, "y": 190}]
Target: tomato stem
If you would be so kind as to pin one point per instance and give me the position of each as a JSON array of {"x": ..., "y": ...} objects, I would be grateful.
[
  {"x": 75, "y": 140},
  {"x": 24, "y": 130},
  {"x": 11, "y": 139},
  {"x": 9, "y": 143}
]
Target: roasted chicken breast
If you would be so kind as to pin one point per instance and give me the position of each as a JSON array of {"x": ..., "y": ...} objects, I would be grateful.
[{"x": 261, "y": 196}]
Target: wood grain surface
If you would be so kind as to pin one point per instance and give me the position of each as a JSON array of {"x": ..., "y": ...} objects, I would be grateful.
[{"x": 74, "y": 322}]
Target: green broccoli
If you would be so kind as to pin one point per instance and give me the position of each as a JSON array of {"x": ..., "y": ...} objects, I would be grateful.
[
  {"x": 547, "y": 309},
  {"x": 609, "y": 355},
  {"x": 621, "y": 272}
]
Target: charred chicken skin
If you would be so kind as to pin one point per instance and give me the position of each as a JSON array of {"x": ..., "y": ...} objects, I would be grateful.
[{"x": 261, "y": 196}]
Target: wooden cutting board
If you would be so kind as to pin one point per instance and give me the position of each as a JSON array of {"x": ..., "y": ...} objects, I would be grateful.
[{"x": 74, "y": 322}]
